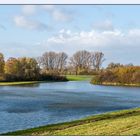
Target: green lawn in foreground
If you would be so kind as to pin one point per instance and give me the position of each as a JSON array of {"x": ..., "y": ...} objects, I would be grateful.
[
  {"x": 125, "y": 122},
  {"x": 78, "y": 77},
  {"x": 17, "y": 83}
]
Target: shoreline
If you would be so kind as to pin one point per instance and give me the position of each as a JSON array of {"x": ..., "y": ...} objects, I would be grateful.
[
  {"x": 18, "y": 83},
  {"x": 25, "y": 83},
  {"x": 69, "y": 78},
  {"x": 124, "y": 118},
  {"x": 117, "y": 84}
]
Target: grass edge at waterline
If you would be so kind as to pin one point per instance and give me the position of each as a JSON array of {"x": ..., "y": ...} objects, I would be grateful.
[
  {"x": 68, "y": 77},
  {"x": 79, "y": 77},
  {"x": 124, "y": 122},
  {"x": 18, "y": 83}
]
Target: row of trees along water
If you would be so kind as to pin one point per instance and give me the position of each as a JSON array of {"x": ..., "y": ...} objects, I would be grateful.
[
  {"x": 118, "y": 74},
  {"x": 50, "y": 64}
]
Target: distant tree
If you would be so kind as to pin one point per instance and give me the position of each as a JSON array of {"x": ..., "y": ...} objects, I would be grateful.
[
  {"x": 2, "y": 63},
  {"x": 29, "y": 68},
  {"x": 32, "y": 69},
  {"x": 81, "y": 61},
  {"x": 114, "y": 65},
  {"x": 12, "y": 66},
  {"x": 49, "y": 61},
  {"x": 126, "y": 74},
  {"x": 97, "y": 59},
  {"x": 62, "y": 61},
  {"x": 52, "y": 62}
]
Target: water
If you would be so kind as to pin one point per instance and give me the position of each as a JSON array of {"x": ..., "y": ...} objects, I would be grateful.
[{"x": 23, "y": 107}]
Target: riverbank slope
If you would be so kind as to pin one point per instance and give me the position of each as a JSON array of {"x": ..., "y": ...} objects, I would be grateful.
[{"x": 117, "y": 123}]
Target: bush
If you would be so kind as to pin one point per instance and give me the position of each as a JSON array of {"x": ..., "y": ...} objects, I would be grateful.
[{"x": 120, "y": 75}]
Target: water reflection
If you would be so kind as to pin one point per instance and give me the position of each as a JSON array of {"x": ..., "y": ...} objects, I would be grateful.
[{"x": 28, "y": 85}]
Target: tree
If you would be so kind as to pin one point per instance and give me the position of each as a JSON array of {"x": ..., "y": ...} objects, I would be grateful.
[
  {"x": 12, "y": 69},
  {"x": 48, "y": 61},
  {"x": 53, "y": 63},
  {"x": 81, "y": 60},
  {"x": 97, "y": 59},
  {"x": 12, "y": 66},
  {"x": 32, "y": 70},
  {"x": 114, "y": 65},
  {"x": 62, "y": 61},
  {"x": 29, "y": 68},
  {"x": 2, "y": 63},
  {"x": 126, "y": 74}
]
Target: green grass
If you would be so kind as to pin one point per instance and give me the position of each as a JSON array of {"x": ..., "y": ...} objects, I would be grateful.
[
  {"x": 78, "y": 77},
  {"x": 18, "y": 83},
  {"x": 69, "y": 77},
  {"x": 126, "y": 122}
]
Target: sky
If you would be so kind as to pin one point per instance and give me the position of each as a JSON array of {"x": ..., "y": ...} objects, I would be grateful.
[{"x": 31, "y": 30}]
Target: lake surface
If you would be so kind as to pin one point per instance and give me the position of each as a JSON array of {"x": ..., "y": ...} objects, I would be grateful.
[{"x": 23, "y": 107}]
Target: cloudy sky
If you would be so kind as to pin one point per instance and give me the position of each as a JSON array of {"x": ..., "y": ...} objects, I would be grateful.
[{"x": 30, "y": 30}]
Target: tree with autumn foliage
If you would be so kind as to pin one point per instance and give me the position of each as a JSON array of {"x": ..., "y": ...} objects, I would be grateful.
[
  {"x": 2, "y": 63},
  {"x": 118, "y": 74}
]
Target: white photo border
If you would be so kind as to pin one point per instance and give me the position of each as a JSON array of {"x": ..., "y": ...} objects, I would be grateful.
[{"x": 71, "y": 2}]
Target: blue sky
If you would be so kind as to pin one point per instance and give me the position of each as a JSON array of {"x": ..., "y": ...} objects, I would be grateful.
[{"x": 30, "y": 30}]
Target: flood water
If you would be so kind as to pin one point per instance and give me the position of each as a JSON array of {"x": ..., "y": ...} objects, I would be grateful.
[{"x": 23, "y": 107}]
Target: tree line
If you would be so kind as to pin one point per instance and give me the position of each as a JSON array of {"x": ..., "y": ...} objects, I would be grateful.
[
  {"x": 50, "y": 64},
  {"x": 81, "y": 62},
  {"x": 119, "y": 74}
]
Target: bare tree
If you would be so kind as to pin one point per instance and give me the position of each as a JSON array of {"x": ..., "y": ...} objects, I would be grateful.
[
  {"x": 53, "y": 62},
  {"x": 81, "y": 60},
  {"x": 97, "y": 58},
  {"x": 62, "y": 61}
]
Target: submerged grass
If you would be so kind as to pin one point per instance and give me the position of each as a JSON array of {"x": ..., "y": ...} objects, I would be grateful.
[{"x": 117, "y": 123}]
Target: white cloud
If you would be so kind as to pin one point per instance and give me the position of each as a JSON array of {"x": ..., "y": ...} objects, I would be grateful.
[
  {"x": 115, "y": 44},
  {"x": 104, "y": 25},
  {"x": 86, "y": 39},
  {"x": 23, "y": 22},
  {"x": 29, "y": 9}
]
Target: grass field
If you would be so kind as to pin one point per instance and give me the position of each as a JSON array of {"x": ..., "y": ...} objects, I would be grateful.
[
  {"x": 78, "y": 77},
  {"x": 126, "y": 122}
]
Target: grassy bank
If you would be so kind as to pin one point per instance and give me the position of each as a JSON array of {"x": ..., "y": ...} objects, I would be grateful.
[
  {"x": 18, "y": 83},
  {"x": 124, "y": 122},
  {"x": 78, "y": 77},
  {"x": 116, "y": 84},
  {"x": 68, "y": 77},
  {"x": 119, "y": 84}
]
